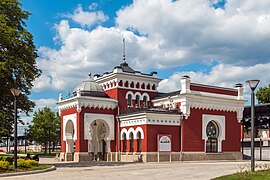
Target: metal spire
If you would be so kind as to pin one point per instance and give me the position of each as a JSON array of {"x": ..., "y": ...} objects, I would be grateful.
[{"x": 124, "y": 50}]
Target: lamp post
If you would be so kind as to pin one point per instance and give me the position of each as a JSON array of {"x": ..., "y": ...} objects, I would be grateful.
[
  {"x": 252, "y": 84},
  {"x": 49, "y": 127},
  {"x": 15, "y": 93}
]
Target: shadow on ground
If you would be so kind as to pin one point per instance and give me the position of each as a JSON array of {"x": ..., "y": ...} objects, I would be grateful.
[{"x": 53, "y": 161}]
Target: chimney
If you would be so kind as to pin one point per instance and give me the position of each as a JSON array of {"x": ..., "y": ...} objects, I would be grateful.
[
  {"x": 185, "y": 84},
  {"x": 239, "y": 88}
]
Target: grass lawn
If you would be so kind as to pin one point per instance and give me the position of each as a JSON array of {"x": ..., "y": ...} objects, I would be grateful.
[
  {"x": 257, "y": 175},
  {"x": 40, "y": 167}
]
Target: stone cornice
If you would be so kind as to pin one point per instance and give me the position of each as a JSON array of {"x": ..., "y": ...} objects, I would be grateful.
[
  {"x": 91, "y": 102},
  {"x": 204, "y": 100},
  {"x": 150, "y": 119}
]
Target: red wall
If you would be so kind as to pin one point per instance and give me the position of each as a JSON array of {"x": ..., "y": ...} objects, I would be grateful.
[
  {"x": 210, "y": 89},
  {"x": 64, "y": 113},
  {"x": 192, "y": 131},
  {"x": 154, "y": 130}
]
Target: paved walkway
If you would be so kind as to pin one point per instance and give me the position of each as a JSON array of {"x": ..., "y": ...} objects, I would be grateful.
[{"x": 136, "y": 171}]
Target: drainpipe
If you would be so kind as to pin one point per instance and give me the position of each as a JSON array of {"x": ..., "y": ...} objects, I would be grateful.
[
  {"x": 181, "y": 136},
  {"x": 118, "y": 132}
]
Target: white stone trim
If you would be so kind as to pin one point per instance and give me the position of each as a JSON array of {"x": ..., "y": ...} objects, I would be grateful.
[
  {"x": 73, "y": 118},
  {"x": 130, "y": 130},
  {"x": 124, "y": 130},
  {"x": 204, "y": 100},
  {"x": 87, "y": 101},
  {"x": 130, "y": 93},
  {"x": 89, "y": 118},
  {"x": 138, "y": 94},
  {"x": 139, "y": 129},
  {"x": 150, "y": 119},
  {"x": 220, "y": 121},
  {"x": 117, "y": 77},
  {"x": 145, "y": 94}
]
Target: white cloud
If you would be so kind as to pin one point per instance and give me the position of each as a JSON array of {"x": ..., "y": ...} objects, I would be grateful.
[
  {"x": 221, "y": 75},
  {"x": 161, "y": 34},
  {"x": 88, "y": 18},
  {"x": 41, "y": 103},
  {"x": 238, "y": 34}
]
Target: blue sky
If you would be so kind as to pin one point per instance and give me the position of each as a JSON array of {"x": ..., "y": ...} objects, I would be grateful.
[{"x": 216, "y": 42}]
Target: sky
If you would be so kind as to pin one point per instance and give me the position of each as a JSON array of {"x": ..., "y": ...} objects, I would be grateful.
[{"x": 215, "y": 42}]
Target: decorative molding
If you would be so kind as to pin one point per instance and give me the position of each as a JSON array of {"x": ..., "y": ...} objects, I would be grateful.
[
  {"x": 127, "y": 132},
  {"x": 73, "y": 118},
  {"x": 108, "y": 120},
  {"x": 117, "y": 77},
  {"x": 220, "y": 121},
  {"x": 124, "y": 130},
  {"x": 87, "y": 101},
  {"x": 204, "y": 100},
  {"x": 130, "y": 130},
  {"x": 150, "y": 119},
  {"x": 147, "y": 96},
  {"x": 139, "y": 129},
  {"x": 130, "y": 93}
]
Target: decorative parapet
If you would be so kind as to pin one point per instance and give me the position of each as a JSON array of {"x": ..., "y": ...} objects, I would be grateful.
[{"x": 91, "y": 102}]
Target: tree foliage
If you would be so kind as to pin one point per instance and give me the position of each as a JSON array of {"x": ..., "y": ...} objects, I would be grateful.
[
  {"x": 17, "y": 62},
  {"x": 45, "y": 127},
  {"x": 263, "y": 95}
]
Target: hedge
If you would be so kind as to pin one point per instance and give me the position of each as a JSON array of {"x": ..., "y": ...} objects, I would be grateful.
[
  {"x": 26, "y": 163},
  {"x": 4, "y": 165},
  {"x": 7, "y": 158}
]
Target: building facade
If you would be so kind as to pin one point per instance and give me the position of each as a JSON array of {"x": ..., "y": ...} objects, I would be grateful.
[{"x": 121, "y": 116}]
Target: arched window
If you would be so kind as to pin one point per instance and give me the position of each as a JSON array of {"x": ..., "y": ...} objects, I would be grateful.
[
  {"x": 212, "y": 132},
  {"x": 131, "y": 140},
  {"x": 137, "y": 101},
  {"x": 129, "y": 100},
  {"x": 124, "y": 142},
  {"x": 139, "y": 141},
  {"x": 144, "y": 101}
]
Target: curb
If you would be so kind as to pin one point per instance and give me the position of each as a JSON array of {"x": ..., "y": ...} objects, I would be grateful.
[{"x": 28, "y": 172}]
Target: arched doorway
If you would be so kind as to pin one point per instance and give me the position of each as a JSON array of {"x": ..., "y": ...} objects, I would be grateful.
[
  {"x": 69, "y": 132},
  {"x": 212, "y": 132},
  {"x": 99, "y": 144}
]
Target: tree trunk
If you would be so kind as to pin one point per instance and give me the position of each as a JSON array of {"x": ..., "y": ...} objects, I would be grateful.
[
  {"x": 53, "y": 146},
  {"x": 7, "y": 145},
  {"x": 45, "y": 146}
]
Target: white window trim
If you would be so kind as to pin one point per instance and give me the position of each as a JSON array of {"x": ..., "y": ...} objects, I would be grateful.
[{"x": 220, "y": 121}]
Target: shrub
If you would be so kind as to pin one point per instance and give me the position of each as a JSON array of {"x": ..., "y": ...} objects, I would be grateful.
[
  {"x": 32, "y": 162},
  {"x": 7, "y": 158},
  {"x": 4, "y": 165},
  {"x": 26, "y": 163}
]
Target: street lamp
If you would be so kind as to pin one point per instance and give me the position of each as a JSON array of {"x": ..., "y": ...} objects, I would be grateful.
[
  {"x": 49, "y": 127},
  {"x": 252, "y": 84},
  {"x": 15, "y": 93}
]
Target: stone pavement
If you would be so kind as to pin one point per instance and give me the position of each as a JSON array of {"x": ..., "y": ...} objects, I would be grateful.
[{"x": 137, "y": 171}]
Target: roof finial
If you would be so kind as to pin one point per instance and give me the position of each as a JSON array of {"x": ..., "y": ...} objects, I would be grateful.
[
  {"x": 89, "y": 74},
  {"x": 124, "y": 50}
]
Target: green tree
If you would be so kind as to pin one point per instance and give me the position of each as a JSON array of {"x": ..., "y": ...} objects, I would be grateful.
[
  {"x": 263, "y": 95},
  {"x": 17, "y": 62},
  {"x": 45, "y": 127}
]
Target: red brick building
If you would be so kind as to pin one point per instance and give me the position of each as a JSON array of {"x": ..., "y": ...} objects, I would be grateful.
[{"x": 121, "y": 116}]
